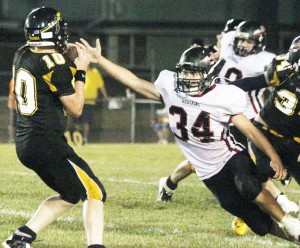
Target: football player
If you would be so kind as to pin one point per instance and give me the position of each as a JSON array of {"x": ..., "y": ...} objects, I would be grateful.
[
  {"x": 279, "y": 119},
  {"x": 45, "y": 95},
  {"x": 199, "y": 114},
  {"x": 241, "y": 55}
]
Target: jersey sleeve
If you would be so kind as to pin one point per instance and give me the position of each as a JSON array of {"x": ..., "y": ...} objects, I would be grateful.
[{"x": 165, "y": 83}]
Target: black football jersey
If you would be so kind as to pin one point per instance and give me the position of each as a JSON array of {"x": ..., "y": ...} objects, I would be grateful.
[
  {"x": 40, "y": 79},
  {"x": 282, "y": 109}
]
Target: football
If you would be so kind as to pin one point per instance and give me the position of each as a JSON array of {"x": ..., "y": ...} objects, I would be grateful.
[{"x": 71, "y": 52}]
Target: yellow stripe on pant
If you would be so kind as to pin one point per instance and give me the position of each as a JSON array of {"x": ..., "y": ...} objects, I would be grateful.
[{"x": 92, "y": 189}]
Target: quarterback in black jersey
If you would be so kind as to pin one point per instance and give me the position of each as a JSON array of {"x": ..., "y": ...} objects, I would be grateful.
[
  {"x": 45, "y": 96},
  {"x": 279, "y": 120}
]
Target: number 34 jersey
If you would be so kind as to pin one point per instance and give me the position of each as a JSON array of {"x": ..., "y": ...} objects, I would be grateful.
[
  {"x": 200, "y": 122},
  {"x": 40, "y": 79}
]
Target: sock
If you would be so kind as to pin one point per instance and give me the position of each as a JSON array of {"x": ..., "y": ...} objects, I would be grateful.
[
  {"x": 170, "y": 184},
  {"x": 279, "y": 195},
  {"x": 96, "y": 246},
  {"x": 25, "y": 233}
]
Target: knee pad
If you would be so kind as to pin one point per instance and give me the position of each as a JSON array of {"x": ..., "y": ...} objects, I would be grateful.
[{"x": 249, "y": 188}]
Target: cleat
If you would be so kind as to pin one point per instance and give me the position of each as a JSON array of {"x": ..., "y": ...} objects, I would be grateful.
[
  {"x": 164, "y": 192},
  {"x": 287, "y": 205},
  {"x": 239, "y": 227},
  {"x": 290, "y": 226},
  {"x": 16, "y": 241}
]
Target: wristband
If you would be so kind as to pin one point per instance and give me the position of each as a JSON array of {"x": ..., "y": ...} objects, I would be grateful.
[{"x": 80, "y": 76}]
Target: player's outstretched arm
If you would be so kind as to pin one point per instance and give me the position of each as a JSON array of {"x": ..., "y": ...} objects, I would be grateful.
[
  {"x": 259, "y": 140},
  {"x": 121, "y": 74},
  {"x": 251, "y": 83}
]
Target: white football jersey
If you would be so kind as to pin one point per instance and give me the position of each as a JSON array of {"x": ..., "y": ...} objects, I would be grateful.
[
  {"x": 200, "y": 122},
  {"x": 237, "y": 67}
]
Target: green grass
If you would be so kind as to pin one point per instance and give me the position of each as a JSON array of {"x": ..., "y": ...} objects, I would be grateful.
[{"x": 133, "y": 218}]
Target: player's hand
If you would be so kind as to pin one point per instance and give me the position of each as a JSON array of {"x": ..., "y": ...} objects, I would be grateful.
[
  {"x": 83, "y": 59},
  {"x": 280, "y": 171},
  {"x": 95, "y": 52},
  {"x": 279, "y": 71}
]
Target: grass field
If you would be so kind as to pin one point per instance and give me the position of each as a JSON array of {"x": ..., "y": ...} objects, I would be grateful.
[{"x": 133, "y": 218}]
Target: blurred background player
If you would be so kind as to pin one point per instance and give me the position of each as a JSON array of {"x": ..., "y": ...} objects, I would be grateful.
[
  {"x": 161, "y": 126},
  {"x": 94, "y": 84},
  {"x": 11, "y": 104}
]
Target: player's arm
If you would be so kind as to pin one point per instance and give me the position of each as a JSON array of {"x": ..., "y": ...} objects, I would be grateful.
[
  {"x": 251, "y": 83},
  {"x": 120, "y": 73},
  {"x": 73, "y": 103},
  {"x": 260, "y": 141},
  {"x": 276, "y": 73}
]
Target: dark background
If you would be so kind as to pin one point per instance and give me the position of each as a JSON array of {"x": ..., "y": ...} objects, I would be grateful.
[{"x": 147, "y": 36}]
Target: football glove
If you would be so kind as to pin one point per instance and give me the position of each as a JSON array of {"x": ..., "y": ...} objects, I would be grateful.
[{"x": 279, "y": 71}]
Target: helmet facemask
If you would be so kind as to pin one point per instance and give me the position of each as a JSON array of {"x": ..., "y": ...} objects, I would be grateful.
[
  {"x": 191, "y": 79},
  {"x": 249, "y": 31},
  {"x": 192, "y": 70}
]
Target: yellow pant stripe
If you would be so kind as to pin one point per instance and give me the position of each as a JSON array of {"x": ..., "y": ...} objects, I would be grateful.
[{"x": 92, "y": 189}]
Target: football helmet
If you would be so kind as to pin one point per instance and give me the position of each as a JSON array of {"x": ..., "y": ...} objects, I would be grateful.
[
  {"x": 249, "y": 30},
  {"x": 45, "y": 26},
  {"x": 294, "y": 51},
  {"x": 194, "y": 59},
  {"x": 231, "y": 25}
]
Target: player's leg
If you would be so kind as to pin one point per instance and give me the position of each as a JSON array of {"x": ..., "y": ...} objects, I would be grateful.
[
  {"x": 266, "y": 172},
  {"x": 47, "y": 212},
  {"x": 239, "y": 191},
  {"x": 165, "y": 133},
  {"x": 44, "y": 165},
  {"x": 286, "y": 204},
  {"x": 87, "y": 118},
  {"x": 85, "y": 132},
  {"x": 289, "y": 152},
  {"x": 71, "y": 178},
  {"x": 92, "y": 193},
  {"x": 93, "y": 217},
  {"x": 167, "y": 185}
]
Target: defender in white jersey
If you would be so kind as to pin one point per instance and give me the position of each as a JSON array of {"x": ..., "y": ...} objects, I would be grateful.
[
  {"x": 241, "y": 55},
  {"x": 244, "y": 56},
  {"x": 199, "y": 114}
]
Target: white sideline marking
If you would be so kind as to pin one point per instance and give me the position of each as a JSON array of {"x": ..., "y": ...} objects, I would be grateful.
[
  {"x": 28, "y": 215},
  {"x": 127, "y": 180}
]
